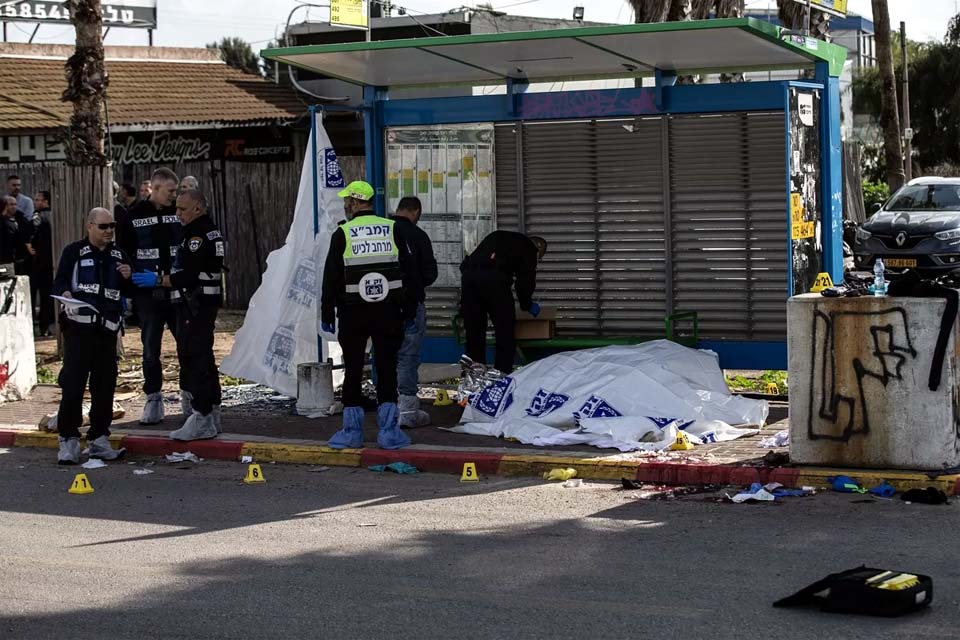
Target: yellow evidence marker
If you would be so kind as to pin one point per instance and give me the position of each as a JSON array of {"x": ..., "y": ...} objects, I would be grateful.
[
  {"x": 822, "y": 282},
  {"x": 469, "y": 472},
  {"x": 443, "y": 399},
  {"x": 254, "y": 475},
  {"x": 81, "y": 485},
  {"x": 773, "y": 389},
  {"x": 683, "y": 442}
]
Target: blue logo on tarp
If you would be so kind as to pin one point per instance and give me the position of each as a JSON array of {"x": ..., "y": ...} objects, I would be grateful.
[
  {"x": 331, "y": 170},
  {"x": 545, "y": 402},
  {"x": 663, "y": 423},
  {"x": 495, "y": 399},
  {"x": 597, "y": 407}
]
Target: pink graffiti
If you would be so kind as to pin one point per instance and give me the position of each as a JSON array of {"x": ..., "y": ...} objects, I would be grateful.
[{"x": 4, "y": 374}]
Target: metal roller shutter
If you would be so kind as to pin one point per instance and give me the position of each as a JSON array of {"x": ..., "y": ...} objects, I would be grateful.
[{"x": 727, "y": 175}]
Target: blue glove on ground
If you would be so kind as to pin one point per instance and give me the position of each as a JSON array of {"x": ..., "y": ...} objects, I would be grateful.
[
  {"x": 145, "y": 279},
  {"x": 410, "y": 326},
  {"x": 328, "y": 328},
  {"x": 535, "y": 309}
]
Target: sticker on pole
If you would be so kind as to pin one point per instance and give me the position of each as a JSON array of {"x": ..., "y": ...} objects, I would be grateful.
[
  {"x": 374, "y": 287},
  {"x": 822, "y": 282}
]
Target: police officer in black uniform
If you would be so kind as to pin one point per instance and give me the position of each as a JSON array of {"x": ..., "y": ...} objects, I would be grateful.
[
  {"x": 95, "y": 273},
  {"x": 151, "y": 236},
  {"x": 194, "y": 283},
  {"x": 487, "y": 277}
]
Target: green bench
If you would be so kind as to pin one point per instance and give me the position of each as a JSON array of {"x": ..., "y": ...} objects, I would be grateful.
[{"x": 530, "y": 350}]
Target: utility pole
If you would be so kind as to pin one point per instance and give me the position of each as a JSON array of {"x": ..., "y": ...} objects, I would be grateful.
[{"x": 907, "y": 130}]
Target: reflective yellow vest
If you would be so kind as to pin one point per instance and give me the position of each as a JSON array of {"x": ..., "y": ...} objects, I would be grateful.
[{"x": 371, "y": 260}]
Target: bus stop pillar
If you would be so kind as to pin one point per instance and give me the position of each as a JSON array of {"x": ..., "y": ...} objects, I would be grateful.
[{"x": 831, "y": 171}]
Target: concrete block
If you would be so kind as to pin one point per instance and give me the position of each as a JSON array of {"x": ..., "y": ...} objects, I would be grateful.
[
  {"x": 314, "y": 388},
  {"x": 18, "y": 358},
  {"x": 859, "y": 395}
]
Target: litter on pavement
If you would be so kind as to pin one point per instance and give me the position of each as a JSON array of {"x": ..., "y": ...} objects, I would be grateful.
[
  {"x": 94, "y": 463},
  {"x": 930, "y": 495},
  {"x": 397, "y": 467},
  {"x": 769, "y": 493},
  {"x": 779, "y": 439},
  {"x": 573, "y": 483},
  {"x": 246, "y": 459},
  {"x": 560, "y": 474},
  {"x": 186, "y": 456},
  {"x": 142, "y": 472},
  {"x": 874, "y": 592},
  {"x": 631, "y": 398}
]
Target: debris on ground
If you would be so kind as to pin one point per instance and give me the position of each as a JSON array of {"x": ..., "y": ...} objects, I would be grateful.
[
  {"x": 142, "y": 472},
  {"x": 769, "y": 492},
  {"x": 94, "y": 463},
  {"x": 48, "y": 422},
  {"x": 256, "y": 397},
  {"x": 776, "y": 458},
  {"x": 186, "y": 456},
  {"x": 657, "y": 492},
  {"x": 401, "y": 468},
  {"x": 779, "y": 439},
  {"x": 246, "y": 459},
  {"x": 572, "y": 483},
  {"x": 318, "y": 469},
  {"x": 930, "y": 495},
  {"x": 560, "y": 474}
]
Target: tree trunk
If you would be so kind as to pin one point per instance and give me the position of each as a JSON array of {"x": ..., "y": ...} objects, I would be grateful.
[
  {"x": 86, "y": 86},
  {"x": 650, "y": 10},
  {"x": 889, "y": 114},
  {"x": 792, "y": 16}
]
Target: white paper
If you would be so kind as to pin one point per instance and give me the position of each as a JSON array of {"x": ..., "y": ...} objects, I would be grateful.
[
  {"x": 142, "y": 472},
  {"x": 94, "y": 463},
  {"x": 186, "y": 456},
  {"x": 73, "y": 302}
]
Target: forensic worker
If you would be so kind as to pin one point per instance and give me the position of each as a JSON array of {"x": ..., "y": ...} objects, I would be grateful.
[
  {"x": 97, "y": 274},
  {"x": 151, "y": 236},
  {"x": 504, "y": 260},
  {"x": 423, "y": 273},
  {"x": 194, "y": 283},
  {"x": 365, "y": 289}
]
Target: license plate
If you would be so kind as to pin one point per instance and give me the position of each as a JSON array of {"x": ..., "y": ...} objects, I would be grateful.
[{"x": 901, "y": 263}]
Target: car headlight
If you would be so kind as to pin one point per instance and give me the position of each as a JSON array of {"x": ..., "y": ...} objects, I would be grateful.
[
  {"x": 863, "y": 234},
  {"x": 947, "y": 235}
]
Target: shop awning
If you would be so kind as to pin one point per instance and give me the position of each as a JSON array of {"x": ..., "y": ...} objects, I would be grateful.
[{"x": 707, "y": 46}]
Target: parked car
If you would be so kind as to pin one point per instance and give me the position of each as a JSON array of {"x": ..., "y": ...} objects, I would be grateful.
[{"x": 918, "y": 228}]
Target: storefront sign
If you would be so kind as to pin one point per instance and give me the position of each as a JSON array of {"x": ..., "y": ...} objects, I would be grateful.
[
  {"x": 135, "y": 14},
  {"x": 171, "y": 147}
]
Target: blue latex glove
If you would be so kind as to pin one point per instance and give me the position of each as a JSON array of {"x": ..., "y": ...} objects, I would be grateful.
[
  {"x": 883, "y": 490},
  {"x": 535, "y": 309},
  {"x": 410, "y": 326},
  {"x": 145, "y": 279},
  {"x": 328, "y": 328}
]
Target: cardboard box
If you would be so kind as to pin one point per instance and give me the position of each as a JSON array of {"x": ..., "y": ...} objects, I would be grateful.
[{"x": 535, "y": 329}]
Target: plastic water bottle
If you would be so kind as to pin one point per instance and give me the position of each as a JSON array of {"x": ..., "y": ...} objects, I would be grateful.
[{"x": 879, "y": 283}]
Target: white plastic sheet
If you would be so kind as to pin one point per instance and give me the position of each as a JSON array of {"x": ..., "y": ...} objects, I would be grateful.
[
  {"x": 281, "y": 327},
  {"x": 631, "y": 398}
]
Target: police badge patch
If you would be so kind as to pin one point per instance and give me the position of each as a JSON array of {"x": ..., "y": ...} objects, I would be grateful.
[{"x": 194, "y": 243}]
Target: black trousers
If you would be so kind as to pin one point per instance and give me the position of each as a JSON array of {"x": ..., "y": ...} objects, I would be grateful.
[
  {"x": 198, "y": 367},
  {"x": 88, "y": 352},
  {"x": 487, "y": 293},
  {"x": 381, "y": 322},
  {"x": 40, "y": 290},
  {"x": 155, "y": 313}
]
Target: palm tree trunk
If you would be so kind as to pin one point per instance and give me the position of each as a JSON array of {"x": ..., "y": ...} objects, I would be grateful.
[
  {"x": 889, "y": 114},
  {"x": 86, "y": 85}
]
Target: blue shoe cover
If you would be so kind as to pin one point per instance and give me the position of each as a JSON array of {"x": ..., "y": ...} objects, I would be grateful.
[
  {"x": 351, "y": 435},
  {"x": 388, "y": 420}
]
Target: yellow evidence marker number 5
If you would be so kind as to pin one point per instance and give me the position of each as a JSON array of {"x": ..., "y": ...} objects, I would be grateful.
[{"x": 469, "y": 472}]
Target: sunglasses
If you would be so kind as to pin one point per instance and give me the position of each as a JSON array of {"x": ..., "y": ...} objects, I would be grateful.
[{"x": 107, "y": 225}]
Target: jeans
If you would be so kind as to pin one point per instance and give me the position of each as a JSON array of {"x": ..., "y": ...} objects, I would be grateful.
[
  {"x": 154, "y": 314},
  {"x": 408, "y": 359}
]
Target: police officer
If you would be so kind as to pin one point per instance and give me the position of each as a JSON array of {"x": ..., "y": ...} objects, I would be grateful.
[
  {"x": 488, "y": 275},
  {"x": 151, "y": 236},
  {"x": 194, "y": 283},
  {"x": 364, "y": 287},
  {"x": 95, "y": 273}
]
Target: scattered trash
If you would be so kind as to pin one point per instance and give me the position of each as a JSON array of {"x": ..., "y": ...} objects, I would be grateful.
[
  {"x": 186, "y": 456},
  {"x": 366, "y": 524},
  {"x": 663, "y": 492},
  {"x": 142, "y": 472},
  {"x": 318, "y": 469},
  {"x": 332, "y": 410},
  {"x": 254, "y": 475},
  {"x": 401, "y": 468},
  {"x": 780, "y": 439},
  {"x": 776, "y": 458},
  {"x": 760, "y": 495},
  {"x": 246, "y": 459},
  {"x": 572, "y": 484},
  {"x": 808, "y": 489},
  {"x": 560, "y": 474},
  {"x": 874, "y": 592},
  {"x": 48, "y": 422},
  {"x": 255, "y": 397},
  {"x": 930, "y": 495},
  {"x": 631, "y": 484},
  {"x": 846, "y": 484},
  {"x": 94, "y": 463},
  {"x": 883, "y": 490}
]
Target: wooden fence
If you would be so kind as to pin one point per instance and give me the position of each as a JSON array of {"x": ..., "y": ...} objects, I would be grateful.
[{"x": 252, "y": 203}]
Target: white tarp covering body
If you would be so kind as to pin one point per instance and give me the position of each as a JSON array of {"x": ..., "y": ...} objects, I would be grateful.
[
  {"x": 281, "y": 327},
  {"x": 632, "y": 398}
]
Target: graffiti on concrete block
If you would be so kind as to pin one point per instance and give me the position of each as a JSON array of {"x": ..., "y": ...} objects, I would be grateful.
[{"x": 841, "y": 387}]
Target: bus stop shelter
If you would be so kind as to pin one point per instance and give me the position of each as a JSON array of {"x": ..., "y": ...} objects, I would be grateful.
[{"x": 665, "y": 196}]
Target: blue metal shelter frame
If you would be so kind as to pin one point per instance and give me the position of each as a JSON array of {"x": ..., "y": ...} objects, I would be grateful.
[{"x": 665, "y": 98}]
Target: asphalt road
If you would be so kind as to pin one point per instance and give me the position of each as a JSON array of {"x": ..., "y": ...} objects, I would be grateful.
[{"x": 194, "y": 553}]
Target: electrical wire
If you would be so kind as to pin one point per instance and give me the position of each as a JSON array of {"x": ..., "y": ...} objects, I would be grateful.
[{"x": 426, "y": 29}]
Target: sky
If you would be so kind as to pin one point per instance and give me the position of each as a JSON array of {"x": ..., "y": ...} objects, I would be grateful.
[{"x": 189, "y": 23}]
